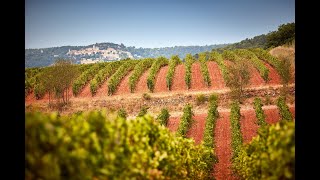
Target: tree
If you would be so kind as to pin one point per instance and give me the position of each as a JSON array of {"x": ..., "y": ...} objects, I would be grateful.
[
  {"x": 57, "y": 80},
  {"x": 238, "y": 78},
  {"x": 284, "y": 34}
]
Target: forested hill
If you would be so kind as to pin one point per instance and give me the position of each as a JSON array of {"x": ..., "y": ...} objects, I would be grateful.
[{"x": 106, "y": 52}]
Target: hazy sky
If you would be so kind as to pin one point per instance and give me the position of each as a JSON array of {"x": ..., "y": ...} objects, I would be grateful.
[{"x": 153, "y": 23}]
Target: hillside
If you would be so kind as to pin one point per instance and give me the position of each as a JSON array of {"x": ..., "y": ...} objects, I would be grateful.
[{"x": 105, "y": 52}]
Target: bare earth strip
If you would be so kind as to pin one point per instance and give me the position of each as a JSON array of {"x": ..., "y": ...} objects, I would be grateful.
[
  {"x": 160, "y": 84},
  {"x": 141, "y": 85},
  {"x": 173, "y": 123},
  {"x": 274, "y": 77},
  {"x": 217, "y": 81},
  {"x": 248, "y": 124},
  {"x": 197, "y": 129},
  {"x": 178, "y": 83},
  {"x": 85, "y": 92},
  {"x": 222, "y": 169},
  {"x": 197, "y": 81},
  {"x": 123, "y": 87}
]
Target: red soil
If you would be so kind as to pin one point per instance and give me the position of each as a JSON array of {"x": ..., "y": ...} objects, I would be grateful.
[
  {"x": 272, "y": 115},
  {"x": 123, "y": 87},
  {"x": 178, "y": 82},
  {"x": 274, "y": 77},
  {"x": 103, "y": 89},
  {"x": 197, "y": 81},
  {"x": 197, "y": 130},
  {"x": 217, "y": 81},
  {"x": 141, "y": 85},
  {"x": 173, "y": 123},
  {"x": 249, "y": 125},
  {"x": 293, "y": 111},
  {"x": 255, "y": 79},
  {"x": 85, "y": 92},
  {"x": 222, "y": 169},
  {"x": 160, "y": 83}
]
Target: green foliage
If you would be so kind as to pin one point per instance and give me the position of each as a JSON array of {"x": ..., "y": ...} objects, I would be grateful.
[
  {"x": 257, "y": 63},
  {"x": 215, "y": 56},
  {"x": 259, "y": 112},
  {"x": 189, "y": 60},
  {"x": 122, "y": 113},
  {"x": 284, "y": 111},
  {"x": 231, "y": 56},
  {"x": 174, "y": 61},
  {"x": 96, "y": 145},
  {"x": 146, "y": 96},
  {"x": 238, "y": 78},
  {"x": 142, "y": 66},
  {"x": 201, "y": 99},
  {"x": 285, "y": 34},
  {"x": 185, "y": 121},
  {"x": 236, "y": 136},
  {"x": 84, "y": 78},
  {"x": 31, "y": 75},
  {"x": 163, "y": 117},
  {"x": 213, "y": 114},
  {"x": 123, "y": 70},
  {"x": 270, "y": 155},
  {"x": 204, "y": 68},
  {"x": 266, "y": 56},
  {"x": 161, "y": 61},
  {"x": 143, "y": 111},
  {"x": 39, "y": 90},
  {"x": 102, "y": 75}
]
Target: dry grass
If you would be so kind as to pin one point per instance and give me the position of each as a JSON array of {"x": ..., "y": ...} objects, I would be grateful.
[{"x": 287, "y": 51}]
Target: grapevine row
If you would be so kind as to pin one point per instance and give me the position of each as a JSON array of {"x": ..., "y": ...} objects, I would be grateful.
[
  {"x": 163, "y": 117},
  {"x": 175, "y": 60},
  {"x": 257, "y": 63},
  {"x": 213, "y": 114},
  {"x": 186, "y": 121},
  {"x": 236, "y": 136},
  {"x": 102, "y": 75},
  {"x": 257, "y": 104},
  {"x": 142, "y": 66},
  {"x": 157, "y": 64},
  {"x": 188, "y": 64},
  {"x": 285, "y": 114},
  {"x": 265, "y": 55},
  {"x": 204, "y": 68},
  {"x": 123, "y": 70},
  {"x": 86, "y": 76}
]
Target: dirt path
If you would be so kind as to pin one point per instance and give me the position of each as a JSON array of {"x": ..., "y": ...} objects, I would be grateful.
[
  {"x": 103, "y": 89},
  {"x": 123, "y": 87},
  {"x": 178, "y": 82},
  {"x": 173, "y": 124},
  {"x": 197, "y": 130},
  {"x": 160, "y": 84},
  {"x": 141, "y": 85},
  {"x": 222, "y": 169},
  {"x": 217, "y": 81},
  {"x": 197, "y": 81},
  {"x": 274, "y": 77},
  {"x": 85, "y": 92},
  {"x": 249, "y": 125}
]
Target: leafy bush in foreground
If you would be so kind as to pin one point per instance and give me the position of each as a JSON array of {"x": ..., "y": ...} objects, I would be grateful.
[
  {"x": 270, "y": 155},
  {"x": 95, "y": 145}
]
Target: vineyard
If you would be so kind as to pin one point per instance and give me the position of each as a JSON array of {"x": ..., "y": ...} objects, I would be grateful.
[
  {"x": 203, "y": 73},
  {"x": 159, "y": 118}
]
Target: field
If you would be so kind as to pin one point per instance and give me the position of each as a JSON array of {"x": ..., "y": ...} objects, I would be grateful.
[{"x": 150, "y": 89}]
